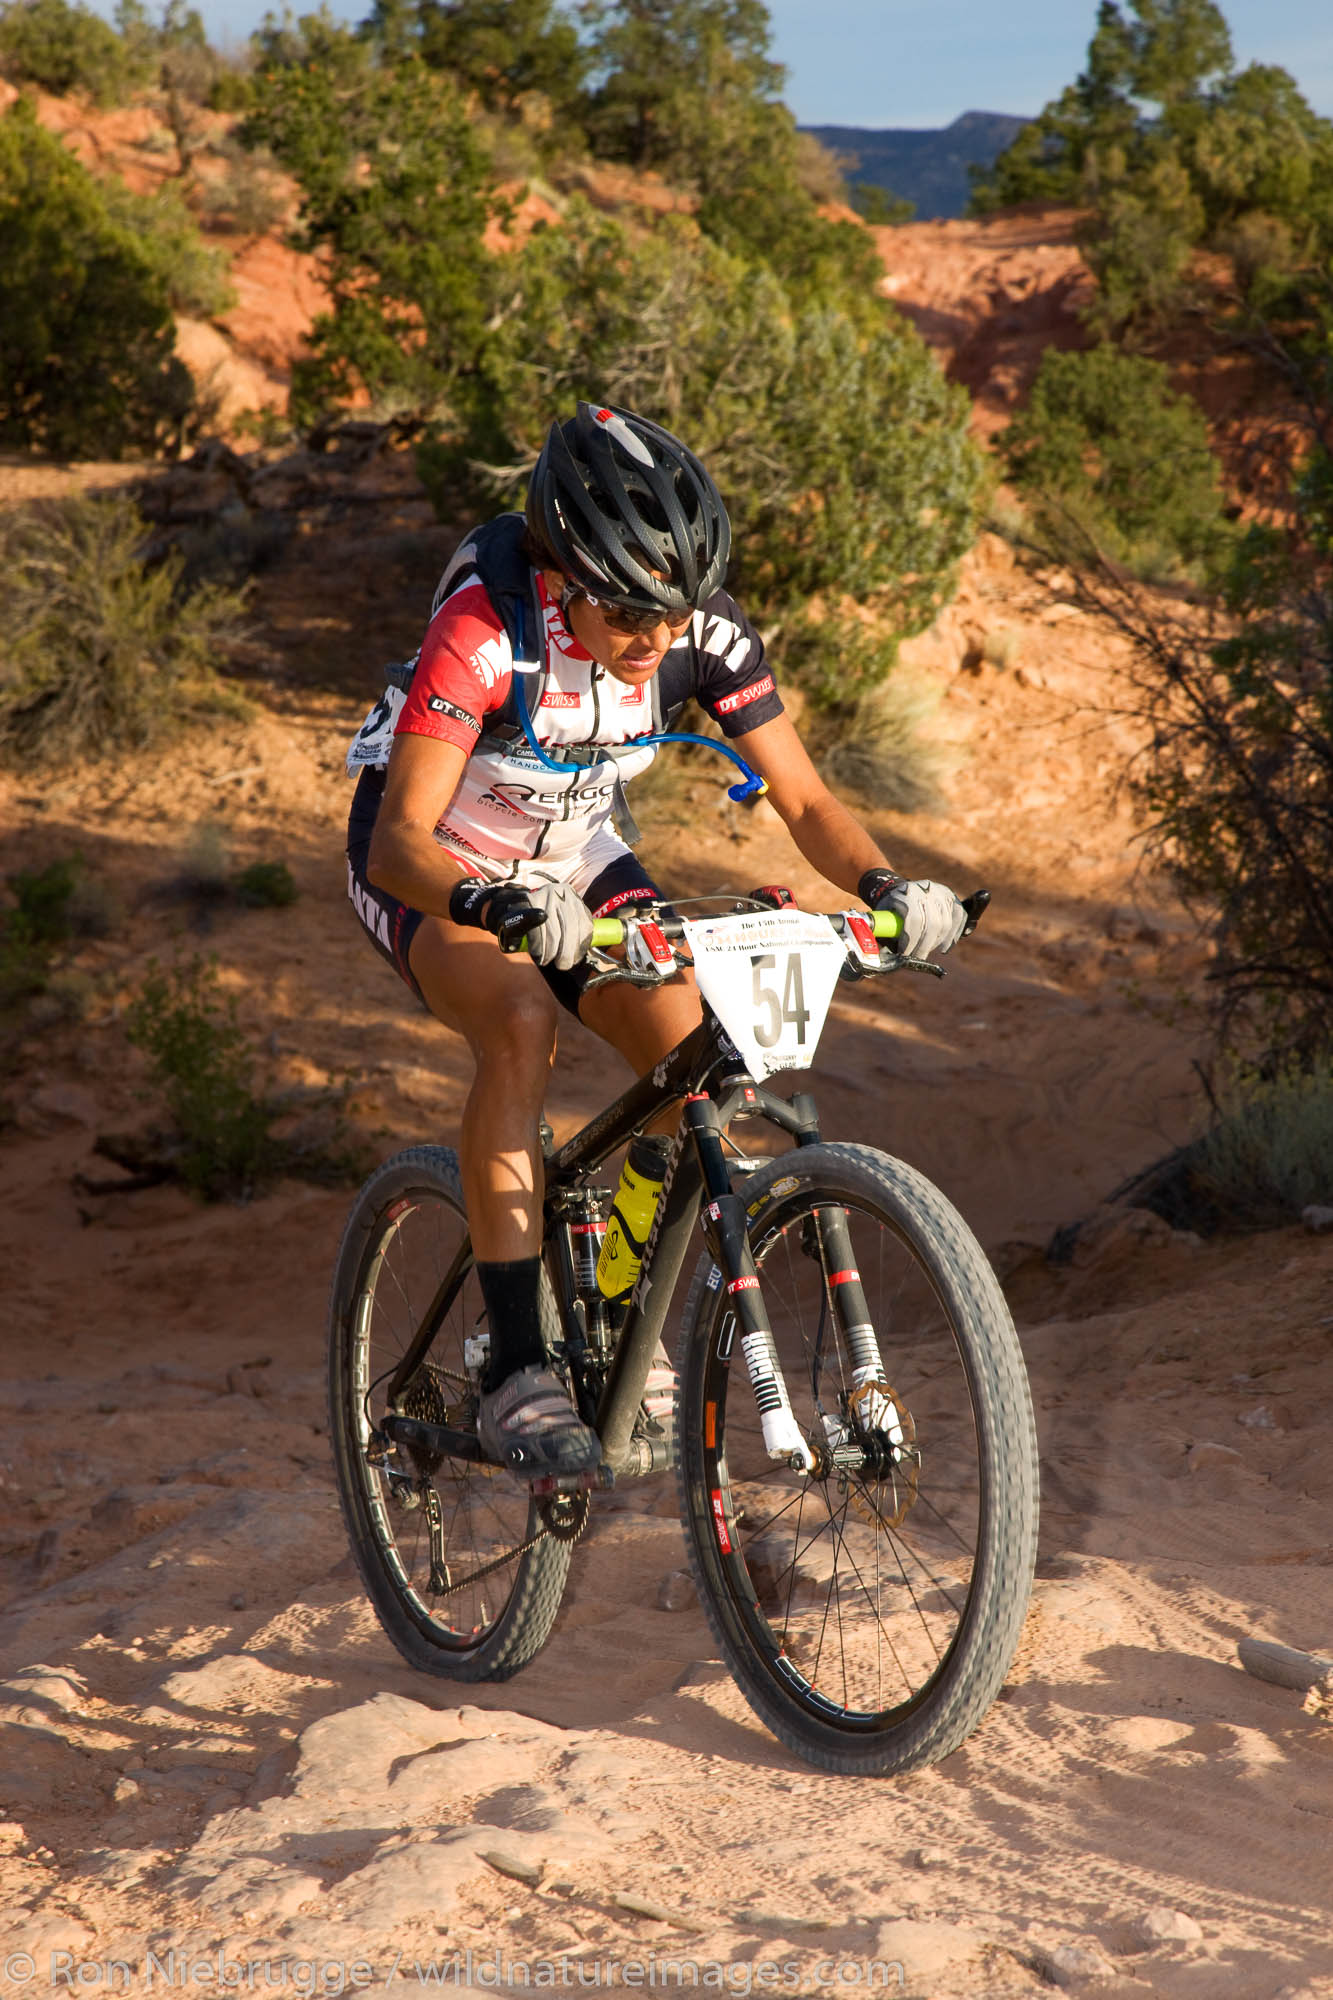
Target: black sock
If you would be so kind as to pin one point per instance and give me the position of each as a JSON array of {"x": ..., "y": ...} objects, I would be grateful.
[{"x": 510, "y": 1291}]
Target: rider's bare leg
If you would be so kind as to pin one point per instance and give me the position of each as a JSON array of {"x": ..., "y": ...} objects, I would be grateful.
[{"x": 507, "y": 1015}]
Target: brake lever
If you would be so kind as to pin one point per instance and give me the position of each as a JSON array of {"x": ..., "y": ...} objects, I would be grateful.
[{"x": 918, "y": 965}]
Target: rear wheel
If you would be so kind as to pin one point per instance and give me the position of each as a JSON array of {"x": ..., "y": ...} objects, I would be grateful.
[
  {"x": 458, "y": 1563},
  {"x": 869, "y": 1611}
]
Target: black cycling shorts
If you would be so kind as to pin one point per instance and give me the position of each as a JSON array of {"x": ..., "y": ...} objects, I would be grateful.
[{"x": 391, "y": 925}]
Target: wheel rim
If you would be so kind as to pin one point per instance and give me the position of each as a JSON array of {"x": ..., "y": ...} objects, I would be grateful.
[
  {"x": 482, "y": 1523},
  {"x": 851, "y": 1587}
]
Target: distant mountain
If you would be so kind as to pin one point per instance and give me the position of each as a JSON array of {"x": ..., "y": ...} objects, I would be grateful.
[{"x": 929, "y": 168}]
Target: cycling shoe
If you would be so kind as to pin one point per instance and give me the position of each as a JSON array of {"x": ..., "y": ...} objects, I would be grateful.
[
  {"x": 659, "y": 1396},
  {"x": 530, "y": 1425}
]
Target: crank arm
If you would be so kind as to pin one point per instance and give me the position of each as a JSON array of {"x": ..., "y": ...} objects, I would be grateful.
[{"x": 439, "y": 1440}]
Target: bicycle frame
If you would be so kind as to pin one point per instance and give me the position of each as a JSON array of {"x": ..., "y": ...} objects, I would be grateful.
[{"x": 705, "y": 1071}]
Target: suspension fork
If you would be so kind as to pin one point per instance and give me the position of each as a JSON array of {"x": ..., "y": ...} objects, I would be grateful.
[
  {"x": 729, "y": 1246},
  {"x": 842, "y": 1281}
]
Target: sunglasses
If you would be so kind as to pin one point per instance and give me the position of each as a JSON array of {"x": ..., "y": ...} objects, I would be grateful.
[{"x": 623, "y": 619}]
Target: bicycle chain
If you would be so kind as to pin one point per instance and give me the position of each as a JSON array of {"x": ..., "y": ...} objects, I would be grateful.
[
  {"x": 486, "y": 1569},
  {"x": 516, "y": 1554}
]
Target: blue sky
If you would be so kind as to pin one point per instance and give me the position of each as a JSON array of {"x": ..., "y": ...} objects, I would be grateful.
[{"x": 899, "y": 62}]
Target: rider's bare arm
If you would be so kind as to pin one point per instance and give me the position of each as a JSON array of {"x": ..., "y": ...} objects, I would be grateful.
[
  {"x": 826, "y": 833},
  {"x": 405, "y": 857}
]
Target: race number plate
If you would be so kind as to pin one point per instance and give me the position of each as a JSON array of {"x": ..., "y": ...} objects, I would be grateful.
[{"x": 769, "y": 978}]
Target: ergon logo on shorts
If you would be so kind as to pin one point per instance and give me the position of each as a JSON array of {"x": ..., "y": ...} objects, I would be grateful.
[
  {"x": 731, "y": 702},
  {"x": 439, "y": 706}
]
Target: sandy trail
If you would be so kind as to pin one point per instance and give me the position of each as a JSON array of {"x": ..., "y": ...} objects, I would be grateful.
[{"x": 211, "y": 1749}]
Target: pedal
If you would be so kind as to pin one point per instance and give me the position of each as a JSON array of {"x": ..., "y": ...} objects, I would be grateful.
[{"x": 571, "y": 1482}]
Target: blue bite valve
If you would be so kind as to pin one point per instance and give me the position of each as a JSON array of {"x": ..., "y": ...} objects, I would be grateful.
[{"x": 752, "y": 787}]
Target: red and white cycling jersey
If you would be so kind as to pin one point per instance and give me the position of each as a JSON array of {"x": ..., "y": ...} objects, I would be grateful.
[{"x": 510, "y": 808}]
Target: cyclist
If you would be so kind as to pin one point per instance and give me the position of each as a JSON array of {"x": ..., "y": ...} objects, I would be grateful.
[{"x": 490, "y": 806}]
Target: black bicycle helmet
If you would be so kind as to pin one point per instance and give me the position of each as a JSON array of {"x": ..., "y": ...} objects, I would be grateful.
[{"x": 611, "y": 488}]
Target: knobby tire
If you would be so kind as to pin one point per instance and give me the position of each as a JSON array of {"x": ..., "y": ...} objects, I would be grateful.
[
  {"x": 400, "y": 1239},
  {"x": 869, "y": 1618}
]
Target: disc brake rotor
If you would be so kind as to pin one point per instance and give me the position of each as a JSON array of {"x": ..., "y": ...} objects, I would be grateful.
[{"x": 884, "y": 1498}]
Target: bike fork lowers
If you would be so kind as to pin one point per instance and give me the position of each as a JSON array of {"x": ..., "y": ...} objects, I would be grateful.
[{"x": 729, "y": 1246}]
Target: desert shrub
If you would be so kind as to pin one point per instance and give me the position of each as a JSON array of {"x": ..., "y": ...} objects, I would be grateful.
[
  {"x": 196, "y": 278},
  {"x": 834, "y": 660},
  {"x": 51, "y": 907},
  {"x": 201, "y": 1060},
  {"x": 1139, "y": 240},
  {"x": 42, "y": 899},
  {"x": 38, "y": 922},
  {"x": 101, "y": 654},
  {"x": 62, "y": 46},
  {"x": 228, "y": 1136},
  {"x": 1270, "y": 1153},
  {"x": 842, "y": 452},
  {"x": 880, "y": 208},
  {"x": 1113, "y": 463},
  {"x": 86, "y": 336},
  {"x": 233, "y": 546},
  {"x": 245, "y": 197},
  {"x": 502, "y": 51},
  {"x": 1167, "y": 147},
  {"x": 396, "y": 192},
  {"x": 689, "y": 89},
  {"x": 1236, "y": 774},
  {"x": 881, "y": 751},
  {"x": 265, "y": 885}
]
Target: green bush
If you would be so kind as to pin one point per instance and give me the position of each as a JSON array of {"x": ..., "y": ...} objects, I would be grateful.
[
  {"x": 196, "y": 278},
  {"x": 1271, "y": 1153},
  {"x": 878, "y": 748},
  {"x": 1168, "y": 147},
  {"x": 228, "y": 1137},
  {"x": 86, "y": 335},
  {"x": 43, "y": 896},
  {"x": 501, "y": 51},
  {"x": 879, "y": 208},
  {"x": 396, "y": 192},
  {"x": 63, "y": 47},
  {"x": 688, "y": 88},
  {"x": 842, "y": 452},
  {"x": 38, "y": 922},
  {"x": 246, "y": 196},
  {"x": 1113, "y": 463},
  {"x": 265, "y": 885},
  {"x": 99, "y": 653},
  {"x": 201, "y": 1060}
]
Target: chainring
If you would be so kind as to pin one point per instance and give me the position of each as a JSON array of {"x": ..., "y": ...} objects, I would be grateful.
[
  {"x": 564, "y": 1515},
  {"x": 871, "y": 1497}
]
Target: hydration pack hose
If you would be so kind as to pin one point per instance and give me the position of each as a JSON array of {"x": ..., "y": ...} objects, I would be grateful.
[{"x": 752, "y": 785}]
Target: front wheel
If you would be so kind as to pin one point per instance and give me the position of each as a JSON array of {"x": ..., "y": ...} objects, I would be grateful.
[
  {"x": 458, "y": 1564},
  {"x": 869, "y": 1610}
]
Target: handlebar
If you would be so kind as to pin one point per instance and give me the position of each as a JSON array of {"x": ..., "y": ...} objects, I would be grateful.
[{"x": 607, "y": 932}]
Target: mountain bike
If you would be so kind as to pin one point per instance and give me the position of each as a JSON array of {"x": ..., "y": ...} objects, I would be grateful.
[{"x": 852, "y": 1435}]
